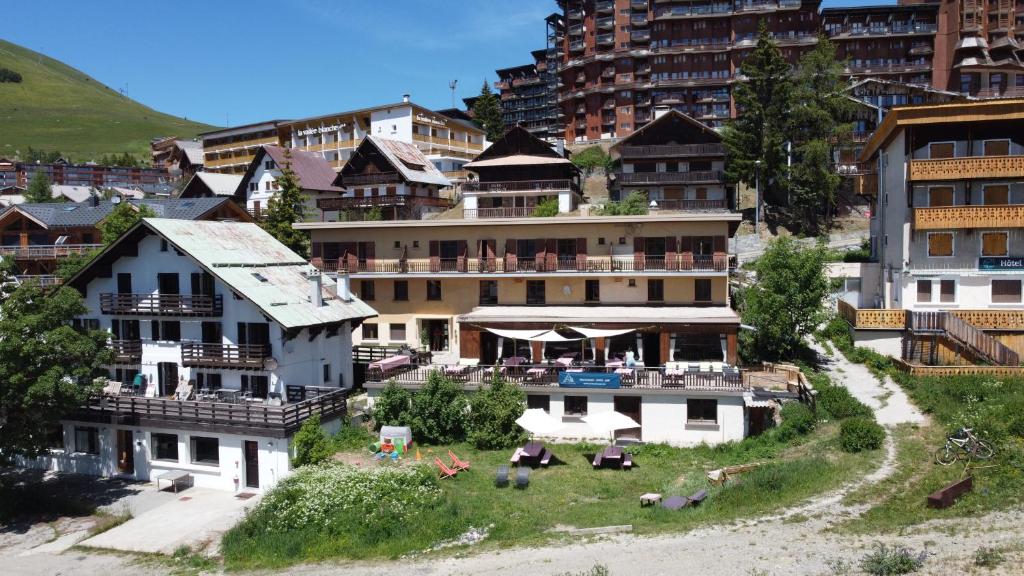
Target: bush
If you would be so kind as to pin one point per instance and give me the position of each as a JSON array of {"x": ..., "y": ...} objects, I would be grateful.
[
  {"x": 635, "y": 204},
  {"x": 886, "y": 561},
  {"x": 591, "y": 158},
  {"x": 438, "y": 414},
  {"x": 839, "y": 404},
  {"x": 492, "y": 416},
  {"x": 311, "y": 444},
  {"x": 546, "y": 208},
  {"x": 392, "y": 407},
  {"x": 859, "y": 434},
  {"x": 8, "y": 75},
  {"x": 987, "y": 557},
  {"x": 352, "y": 438},
  {"x": 797, "y": 420}
]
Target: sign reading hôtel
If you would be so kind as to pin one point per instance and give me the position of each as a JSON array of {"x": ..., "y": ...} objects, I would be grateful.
[{"x": 1014, "y": 263}]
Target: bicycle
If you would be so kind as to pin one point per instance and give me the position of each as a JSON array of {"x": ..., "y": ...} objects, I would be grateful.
[{"x": 963, "y": 444}]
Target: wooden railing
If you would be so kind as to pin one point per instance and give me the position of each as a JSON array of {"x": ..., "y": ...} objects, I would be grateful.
[
  {"x": 217, "y": 355},
  {"x": 365, "y": 179},
  {"x": 47, "y": 251},
  {"x": 162, "y": 304},
  {"x": 672, "y": 150},
  {"x": 684, "y": 262},
  {"x": 127, "y": 350},
  {"x": 363, "y": 354},
  {"x": 967, "y": 167},
  {"x": 968, "y": 217},
  {"x": 971, "y": 370},
  {"x": 519, "y": 186},
  {"x": 683, "y": 204},
  {"x": 279, "y": 420},
  {"x": 643, "y": 378},
  {"x": 511, "y": 212},
  {"x": 1002, "y": 320},
  {"x": 671, "y": 177},
  {"x": 382, "y": 201},
  {"x": 960, "y": 331},
  {"x": 872, "y": 319}
]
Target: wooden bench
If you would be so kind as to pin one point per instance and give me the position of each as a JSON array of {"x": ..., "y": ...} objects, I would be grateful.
[
  {"x": 945, "y": 497},
  {"x": 545, "y": 459}
]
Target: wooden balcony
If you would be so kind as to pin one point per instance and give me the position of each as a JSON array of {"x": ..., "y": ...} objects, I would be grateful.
[
  {"x": 672, "y": 151},
  {"x": 260, "y": 419},
  {"x": 873, "y": 319},
  {"x": 969, "y": 217},
  {"x": 968, "y": 167},
  {"x": 865, "y": 184},
  {"x": 162, "y": 304},
  {"x": 1001, "y": 320},
  {"x": 381, "y": 201},
  {"x": 520, "y": 186},
  {"x": 368, "y": 179},
  {"x": 127, "y": 351},
  {"x": 207, "y": 355},
  {"x": 680, "y": 262},
  {"x": 653, "y": 178},
  {"x": 47, "y": 251}
]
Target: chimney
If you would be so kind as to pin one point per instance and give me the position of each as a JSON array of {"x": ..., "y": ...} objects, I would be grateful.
[
  {"x": 660, "y": 111},
  {"x": 316, "y": 296},
  {"x": 344, "y": 287},
  {"x": 405, "y": 98}
]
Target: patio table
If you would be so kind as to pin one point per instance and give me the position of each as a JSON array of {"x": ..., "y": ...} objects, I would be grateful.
[
  {"x": 513, "y": 360},
  {"x": 390, "y": 363},
  {"x": 564, "y": 362},
  {"x": 613, "y": 364},
  {"x": 649, "y": 499},
  {"x": 536, "y": 372},
  {"x": 532, "y": 450}
]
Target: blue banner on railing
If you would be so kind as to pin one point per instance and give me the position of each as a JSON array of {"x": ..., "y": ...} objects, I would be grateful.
[
  {"x": 1000, "y": 263},
  {"x": 588, "y": 380}
]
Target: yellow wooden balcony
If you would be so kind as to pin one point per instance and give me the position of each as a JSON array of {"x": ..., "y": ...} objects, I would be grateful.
[
  {"x": 971, "y": 167},
  {"x": 873, "y": 318},
  {"x": 966, "y": 217}
]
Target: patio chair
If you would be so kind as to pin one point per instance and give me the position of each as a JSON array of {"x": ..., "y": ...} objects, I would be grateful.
[
  {"x": 501, "y": 478},
  {"x": 698, "y": 497},
  {"x": 456, "y": 463},
  {"x": 444, "y": 470},
  {"x": 545, "y": 458},
  {"x": 675, "y": 502},
  {"x": 522, "y": 477}
]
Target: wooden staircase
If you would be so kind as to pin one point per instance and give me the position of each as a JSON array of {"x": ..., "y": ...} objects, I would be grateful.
[{"x": 926, "y": 329}]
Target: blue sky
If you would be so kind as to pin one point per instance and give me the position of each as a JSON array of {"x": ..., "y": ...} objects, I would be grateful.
[{"x": 221, "y": 61}]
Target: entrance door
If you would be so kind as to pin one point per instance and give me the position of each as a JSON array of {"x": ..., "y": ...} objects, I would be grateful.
[
  {"x": 488, "y": 348},
  {"x": 125, "y": 452},
  {"x": 630, "y": 406},
  {"x": 252, "y": 464},
  {"x": 437, "y": 334},
  {"x": 167, "y": 378}
]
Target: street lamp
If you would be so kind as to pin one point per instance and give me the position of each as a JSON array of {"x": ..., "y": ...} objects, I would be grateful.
[{"x": 757, "y": 198}]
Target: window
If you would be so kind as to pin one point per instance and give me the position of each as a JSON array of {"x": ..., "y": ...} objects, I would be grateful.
[
  {"x": 488, "y": 292},
  {"x": 535, "y": 292},
  {"x": 55, "y": 437},
  {"x": 941, "y": 150},
  {"x": 1006, "y": 291},
  {"x": 366, "y": 290},
  {"x": 269, "y": 165},
  {"x": 401, "y": 290},
  {"x": 947, "y": 290},
  {"x": 370, "y": 331},
  {"x": 593, "y": 291},
  {"x": 85, "y": 324},
  {"x": 163, "y": 245},
  {"x": 327, "y": 373},
  {"x": 701, "y": 411},
  {"x": 940, "y": 196},
  {"x": 539, "y": 401},
  {"x": 166, "y": 330},
  {"x": 575, "y": 406},
  {"x": 87, "y": 439},
  {"x": 997, "y": 194},
  {"x": 702, "y": 290},
  {"x": 164, "y": 446},
  {"x": 205, "y": 450},
  {"x": 253, "y": 186},
  {"x": 433, "y": 289},
  {"x": 656, "y": 290},
  {"x": 940, "y": 244},
  {"x": 924, "y": 291},
  {"x": 997, "y": 147},
  {"x": 258, "y": 386},
  {"x": 994, "y": 244},
  {"x": 397, "y": 332}
]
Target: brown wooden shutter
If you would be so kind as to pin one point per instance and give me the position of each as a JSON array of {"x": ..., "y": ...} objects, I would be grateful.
[
  {"x": 720, "y": 244},
  {"x": 639, "y": 245},
  {"x": 460, "y": 264},
  {"x": 941, "y": 150},
  {"x": 940, "y": 244},
  {"x": 686, "y": 253},
  {"x": 671, "y": 258},
  {"x": 435, "y": 255},
  {"x": 940, "y": 196},
  {"x": 551, "y": 254},
  {"x": 511, "y": 261},
  {"x": 993, "y": 244},
  {"x": 370, "y": 254},
  {"x": 997, "y": 147},
  {"x": 997, "y": 194},
  {"x": 581, "y": 254},
  {"x": 538, "y": 259}
]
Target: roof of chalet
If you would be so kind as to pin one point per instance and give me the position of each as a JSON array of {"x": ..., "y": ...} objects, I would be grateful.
[
  {"x": 250, "y": 262},
  {"x": 669, "y": 118},
  {"x": 518, "y": 147},
  {"x": 406, "y": 159},
  {"x": 217, "y": 183},
  {"x": 192, "y": 150},
  {"x": 84, "y": 214},
  {"x": 949, "y": 113},
  {"x": 312, "y": 170}
]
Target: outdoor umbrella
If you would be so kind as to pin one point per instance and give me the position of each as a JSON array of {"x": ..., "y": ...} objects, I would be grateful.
[
  {"x": 609, "y": 422},
  {"x": 537, "y": 421}
]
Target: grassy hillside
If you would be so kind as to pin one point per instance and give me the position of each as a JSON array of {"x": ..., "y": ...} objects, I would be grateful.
[{"x": 56, "y": 107}]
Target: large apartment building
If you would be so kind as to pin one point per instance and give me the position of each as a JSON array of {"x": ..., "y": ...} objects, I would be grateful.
[
  {"x": 62, "y": 173},
  {"x": 947, "y": 230},
  {"x": 231, "y": 150}
]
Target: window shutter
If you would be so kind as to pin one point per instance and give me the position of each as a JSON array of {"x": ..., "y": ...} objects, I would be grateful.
[
  {"x": 998, "y": 194},
  {"x": 510, "y": 254},
  {"x": 993, "y": 244},
  {"x": 435, "y": 255},
  {"x": 581, "y": 254},
  {"x": 638, "y": 252},
  {"x": 671, "y": 258},
  {"x": 463, "y": 255}
]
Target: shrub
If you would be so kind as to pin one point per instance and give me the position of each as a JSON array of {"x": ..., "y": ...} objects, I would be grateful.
[
  {"x": 492, "y": 416},
  {"x": 8, "y": 75},
  {"x": 797, "y": 420},
  {"x": 352, "y": 438},
  {"x": 886, "y": 561},
  {"x": 391, "y": 408},
  {"x": 635, "y": 204},
  {"x": 438, "y": 414},
  {"x": 546, "y": 208},
  {"x": 840, "y": 404},
  {"x": 592, "y": 158},
  {"x": 859, "y": 434},
  {"x": 987, "y": 557},
  {"x": 311, "y": 444}
]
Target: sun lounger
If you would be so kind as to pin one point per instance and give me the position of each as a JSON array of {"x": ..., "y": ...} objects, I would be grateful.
[
  {"x": 522, "y": 477},
  {"x": 545, "y": 458},
  {"x": 501, "y": 478},
  {"x": 627, "y": 461},
  {"x": 443, "y": 469},
  {"x": 675, "y": 502},
  {"x": 698, "y": 497},
  {"x": 598, "y": 459},
  {"x": 456, "y": 463}
]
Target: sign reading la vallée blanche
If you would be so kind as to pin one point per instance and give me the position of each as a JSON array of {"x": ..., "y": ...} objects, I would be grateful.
[
  {"x": 1001, "y": 263},
  {"x": 588, "y": 380}
]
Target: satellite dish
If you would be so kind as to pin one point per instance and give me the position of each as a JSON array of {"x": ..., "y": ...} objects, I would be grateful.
[{"x": 270, "y": 364}]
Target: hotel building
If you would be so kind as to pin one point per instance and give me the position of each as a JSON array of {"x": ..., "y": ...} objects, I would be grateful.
[{"x": 231, "y": 150}]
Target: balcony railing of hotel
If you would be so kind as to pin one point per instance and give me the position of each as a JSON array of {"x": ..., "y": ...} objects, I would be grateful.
[
  {"x": 640, "y": 36},
  {"x": 127, "y": 351},
  {"x": 603, "y": 6},
  {"x": 606, "y": 22},
  {"x": 274, "y": 420},
  {"x": 969, "y": 217},
  {"x": 671, "y": 177},
  {"x": 217, "y": 355},
  {"x": 723, "y": 8},
  {"x": 891, "y": 68},
  {"x": 382, "y": 201},
  {"x": 643, "y": 378},
  {"x": 894, "y": 28},
  {"x": 967, "y": 167},
  {"x": 680, "y": 262},
  {"x": 1004, "y": 92},
  {"x": 47, "y": 251},
  {"x": 638, "y": 20},
  {"x": 162, "y": 304},
  {"x": 670, "y": 150},
  {"x": 520, "y": 186},
  {"x": 576, "y": 46},
  {"x": 639, "y": 4}
]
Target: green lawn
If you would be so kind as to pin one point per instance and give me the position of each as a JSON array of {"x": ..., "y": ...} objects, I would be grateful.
[{"x": 570, "y": 493}]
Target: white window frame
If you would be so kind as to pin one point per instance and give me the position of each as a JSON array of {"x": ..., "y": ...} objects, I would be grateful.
[
  {"x": 1009, "y": 143},
  {"x": 937, "y": 296},
  {"x": 981, "y": 243},
  {"x": 1006, "y": 304},
  {"x": 930, "y": 144},
  {"x": 928, "y": 194},
  {"x": 928, "y": 242},
  {"x": 931, "y": 291},
  {"x": 984, "y": 192}
]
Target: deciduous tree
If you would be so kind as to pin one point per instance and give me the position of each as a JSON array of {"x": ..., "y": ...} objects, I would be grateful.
[
  {"x": 492, "y": 416},
  {"x": 122, "y": 218}
]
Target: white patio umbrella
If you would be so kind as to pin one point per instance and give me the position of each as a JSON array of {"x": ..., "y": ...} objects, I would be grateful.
[
  {"x": 537, "y": 421},
  {"x": 609, "y": 422}
]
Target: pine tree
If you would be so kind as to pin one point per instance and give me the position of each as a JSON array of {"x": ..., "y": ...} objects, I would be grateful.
[
  {"x": 487, "y": 113},
  {"x": 759, "y": 132},
  {"x": 39, "y": 189},
  {"x": 287, "y": 206}
]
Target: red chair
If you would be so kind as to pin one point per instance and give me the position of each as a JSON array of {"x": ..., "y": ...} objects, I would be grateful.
[
  {"x": 444, "y": 470},
  {"x": 456, "y": 463}
]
